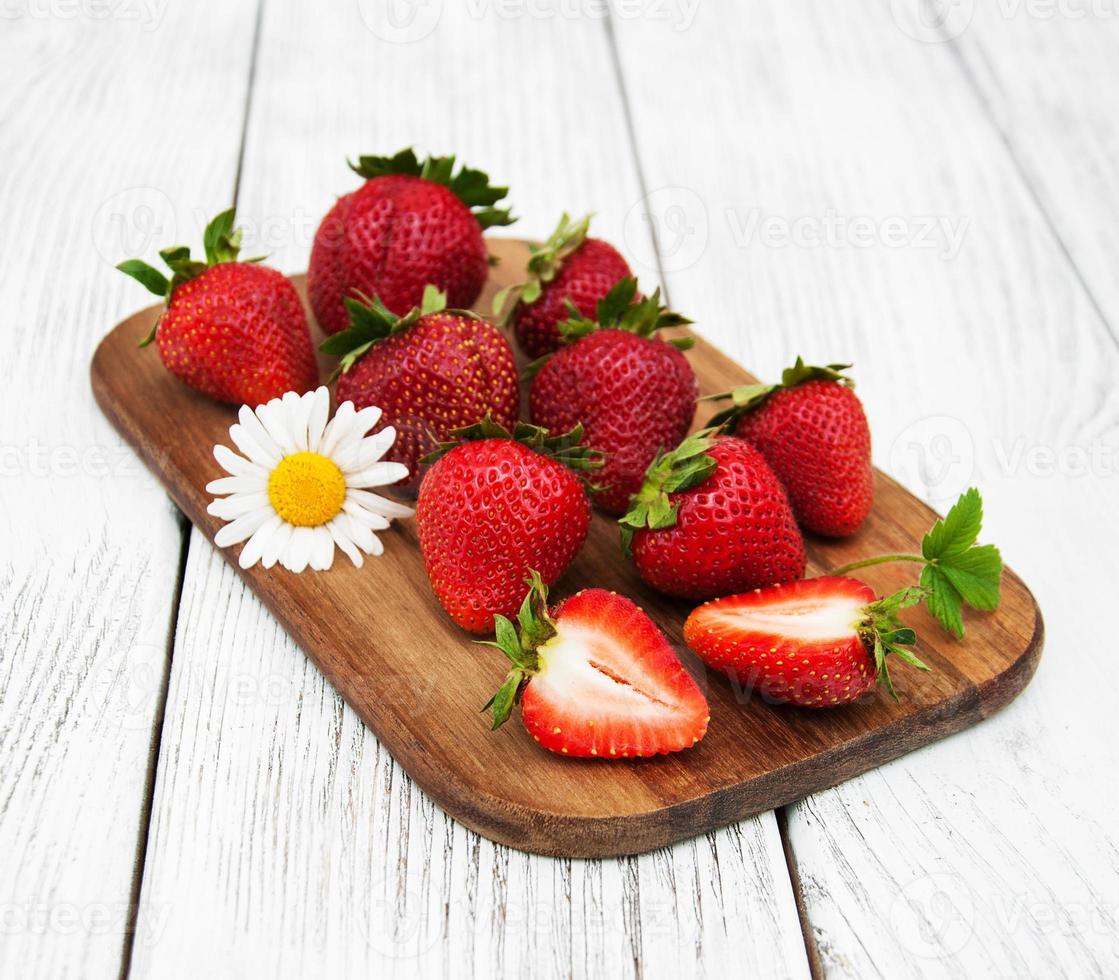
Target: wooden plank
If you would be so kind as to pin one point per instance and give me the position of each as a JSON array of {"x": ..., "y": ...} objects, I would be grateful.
[
  {"x": 752, "y": 759},
  {"x": 492, "y": 910},
  {"x": 111, "y": 130},
  {"x": 986, "y": 853}
]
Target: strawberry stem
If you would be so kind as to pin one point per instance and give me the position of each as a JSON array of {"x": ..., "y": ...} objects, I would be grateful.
[{"x": 878, "y": 560}]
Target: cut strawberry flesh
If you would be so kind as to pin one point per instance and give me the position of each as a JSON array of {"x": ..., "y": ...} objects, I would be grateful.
[{"x": 610, "y": 685}]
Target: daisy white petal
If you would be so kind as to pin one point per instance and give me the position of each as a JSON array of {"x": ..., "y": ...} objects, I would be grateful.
[
  {"x": 273, "y": 417},
  {"x": 227, "y": 508},
  {"x": 322, "y": 548},
  {"x": 372, "y": 448},
  {"x": 254, "y": 547},
  {"x": 377, "y": 475},
  {"x": 237, "y": 465},
  {"x": 378, "y": 504},
  {"x": 256, "y": 451},
  {"x": 338, "y": 529},
  {"x": 337, "y": 428},
  {"x": 298, "y": 551},
  {"x": 256, "y": 431},
  {"x": 276, "y": 545},
  {"x": 238, "y": 530},
  {"x": 367, "y": 418},
  {"x": 237, "y": 484},
  {"x": 375, "y": 522},
  {"x": 299, "y": 413},
  {"x": 316, "y": 421}
]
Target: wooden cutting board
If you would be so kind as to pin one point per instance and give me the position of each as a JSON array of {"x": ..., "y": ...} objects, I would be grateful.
[{"x": 384, "y": 642}]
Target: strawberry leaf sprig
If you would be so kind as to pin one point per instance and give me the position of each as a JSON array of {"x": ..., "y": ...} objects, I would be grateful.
[
  {"x": 470, "y": 186},
  {"x": 544, "y": 264},
  {"x": 536, "y": 628},
  {"x": 956, "y": 571},
  {"x": 686, "y": 466},
  {"x": 221, "y": 242},
  {"x": 745, "y": 398},
  {"x": 371, "y": 321},
  {"x": 884, "y": 634},
  {"x": 567, "y": 448}
]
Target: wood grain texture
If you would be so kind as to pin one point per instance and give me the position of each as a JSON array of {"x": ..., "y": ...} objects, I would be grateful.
[
  {"x": 988, "y": 853},
  {"x": 374, "y": 633},
  {"x": 326, "y": 88},
  {"x": 90, "y": 544}
]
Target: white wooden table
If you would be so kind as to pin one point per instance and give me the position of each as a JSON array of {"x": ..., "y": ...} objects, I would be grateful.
[{"x": 181, "y": 794}]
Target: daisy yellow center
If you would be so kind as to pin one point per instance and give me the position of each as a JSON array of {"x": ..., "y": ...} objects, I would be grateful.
[{"x": 306, "y": 489}]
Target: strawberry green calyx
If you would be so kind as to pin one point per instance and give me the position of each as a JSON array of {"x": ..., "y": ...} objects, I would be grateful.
[
  {"x": 883, "y": 633},
  {"x": 472, "y": 187},
  {"x": 687, "y": 466},
  {"x": 221, "y": 242},
  {"x": 536, "y": 628},
  {"x": 371, "y": 321},
  {"x": 746, "y": 398},
  {"x": 543, "y": 266},
  {"x": 956, "y": 571},
  {"x": 567, "y": 448}
]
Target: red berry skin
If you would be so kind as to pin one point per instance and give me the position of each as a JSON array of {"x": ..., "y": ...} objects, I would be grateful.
[
  {"x": 587, "y": 274},
  {"x": 733, "y": 532},
  {"x": 443, "y": 373},
  {"x": 238, "y": 333},
  {"x": 610, "y": 685},
  {"x": 489, "y": 512},
  {"x": 816, "y": 438},
  {"x": 634, "y": 396},
  {"x": 390, "y": 238},
  {"x": 817, "y": 671}
]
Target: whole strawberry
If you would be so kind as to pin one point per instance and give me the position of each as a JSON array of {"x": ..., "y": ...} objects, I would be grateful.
[
  {"x": 711, "y": 519},
  {"x": 812, "y": 430},
  {"x": 235, "y": 331},
  {"x": 595, "y": 678},
  {"x": 569, "y": 268},
  {"x": 633, "y": 393},
  {"x": 493, "y": 507},
  {"x": 408, "y": 225},
  {"x": 430, "y": 372}
]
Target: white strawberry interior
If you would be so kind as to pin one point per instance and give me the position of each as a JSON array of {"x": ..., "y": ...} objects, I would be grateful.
[
  {"x": 811, "y": 620},
  {"x": 587, "y": 666}
]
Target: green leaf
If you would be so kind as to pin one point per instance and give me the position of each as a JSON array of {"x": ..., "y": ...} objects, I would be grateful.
[
  {"x": 220, "y": 242},
  {"x": 746, "y": 398},
  {"x": 150, "y": 278},
  {"x": 507, "y": 640},
  {"x": 958, "y": 530},
  {"x": 976, "y": 574},
  {"x": 434, "y": 300},
  {"x": 502, "y": 702},
  {"x": 944, "y": 601}
]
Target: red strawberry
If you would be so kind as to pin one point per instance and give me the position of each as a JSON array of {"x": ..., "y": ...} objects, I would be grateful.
[
  {"x": 812, "y": 430},
  {"x": 815, "y": 643},
  {"x": 569, "y": 268},
  {"x": 408, "y": 225},
  {"x": 235, "y": 331},
  {"x": 595, "y": 677},
  {"x": 712, "y": 519},
  {"x": 633, "y": 393},
  {"x": 431, "y": 371},
  {"x": 495, "y": 506}
]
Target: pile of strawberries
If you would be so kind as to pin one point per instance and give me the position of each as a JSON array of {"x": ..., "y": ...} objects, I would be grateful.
[{"x": 504, "y": 504}]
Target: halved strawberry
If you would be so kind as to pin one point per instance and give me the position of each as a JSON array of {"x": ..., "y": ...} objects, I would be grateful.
[
  {"x": 816, "y": 642},
  {"x": 596, "y": 678}
]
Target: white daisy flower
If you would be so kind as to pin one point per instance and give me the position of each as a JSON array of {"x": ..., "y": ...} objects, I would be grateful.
[{"x": 301, "y": 485}]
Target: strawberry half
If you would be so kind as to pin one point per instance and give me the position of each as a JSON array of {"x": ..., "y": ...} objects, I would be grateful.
[
  {"x": 430, "y": 372},
  {"x": 233, "y": 330},
  {"x": 596, "y": 678},
  {"x": 816, "y": 643},
  {"x": 812, "y": 430},
  {"x": 408, "y": 225},
  {"x": 568, "y": 270}
]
